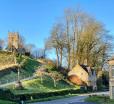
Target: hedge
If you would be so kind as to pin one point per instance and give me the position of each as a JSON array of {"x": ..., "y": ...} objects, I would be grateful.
[
  {"x": 49, "y": 94},
  {"x": 6, "y": 94}
]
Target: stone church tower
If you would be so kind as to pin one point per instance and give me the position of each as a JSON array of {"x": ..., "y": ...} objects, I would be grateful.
[{"x": 14, "y": 41}]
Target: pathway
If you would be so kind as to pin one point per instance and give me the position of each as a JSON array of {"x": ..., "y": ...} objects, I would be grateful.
[{"x": 10, "y": 83}]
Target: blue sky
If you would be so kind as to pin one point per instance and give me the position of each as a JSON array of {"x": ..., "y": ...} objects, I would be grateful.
[{"x": 34, "y": 18}]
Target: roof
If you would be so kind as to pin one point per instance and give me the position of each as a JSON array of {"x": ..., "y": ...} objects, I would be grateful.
[
  {"x": 112, "y": 58},
  {"x": 85, "y": 68}
]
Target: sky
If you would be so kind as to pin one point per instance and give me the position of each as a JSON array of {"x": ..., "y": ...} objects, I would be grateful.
[{"x": 34, "y": 18}]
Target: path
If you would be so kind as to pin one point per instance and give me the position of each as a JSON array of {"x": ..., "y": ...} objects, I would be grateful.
[{"x": 4, "y": 85}]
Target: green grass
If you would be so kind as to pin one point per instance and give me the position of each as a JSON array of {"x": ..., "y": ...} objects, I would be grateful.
[
  {"x": 30, "y": 65},
  {"x": 35, "y": 86},
  {"x": 6, "y": 102},
  {"x": 100, "y": 100},
  {"x": 28, "y": 68}
]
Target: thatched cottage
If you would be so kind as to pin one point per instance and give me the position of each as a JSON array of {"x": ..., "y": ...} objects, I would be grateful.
[{"x": 83, "y": 75}]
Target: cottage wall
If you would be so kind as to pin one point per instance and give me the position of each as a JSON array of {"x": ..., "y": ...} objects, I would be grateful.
[{"x": 80, "y": 72}]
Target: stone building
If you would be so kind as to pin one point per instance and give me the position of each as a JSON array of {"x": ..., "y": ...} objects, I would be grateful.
[
  {"x": 111, "y": 78},
  {"x": 83, "y": 75},
  {"x": 14, "y": 41}
]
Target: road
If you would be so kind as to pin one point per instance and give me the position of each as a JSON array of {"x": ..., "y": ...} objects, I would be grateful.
[{"x": 73, "y": 100}]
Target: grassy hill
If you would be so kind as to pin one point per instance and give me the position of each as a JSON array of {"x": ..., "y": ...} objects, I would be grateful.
[
  {"x": 10, "y": 74},
  {"x": 6, "y": 59},
  {"x": 35, "y": 86},
  {"x": 34, "y": 90}
]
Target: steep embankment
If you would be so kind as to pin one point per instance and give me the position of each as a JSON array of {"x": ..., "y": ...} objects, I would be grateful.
[
  {"x": 7, "y": 60},
  {"x": 9, "y": 73}
]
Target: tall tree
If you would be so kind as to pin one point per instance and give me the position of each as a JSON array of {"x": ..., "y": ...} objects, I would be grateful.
[
  {"x": 80, "y": 37},
  {"x": 56, "y": 41}
]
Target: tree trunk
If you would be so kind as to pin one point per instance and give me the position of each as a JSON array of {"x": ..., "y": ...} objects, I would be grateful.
[
  {"x": 41, "y": 79},
  {"x": 54, "y": 83},
  {"x": 69, "y": 59},
  {"x": 57, "y": 54},
  {"x": 61, "y": 55}
]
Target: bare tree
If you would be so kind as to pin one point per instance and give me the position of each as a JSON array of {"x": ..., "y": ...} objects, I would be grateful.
[
  {"x": 54, "y": 41},
  {"x": 21, "y": 41},
  {"x": 39, "y": 53},
  {"x": 80, "y": 37},
  {"x": 29, "y": 47},
  {"x": 1, "y": 44},
  {"x": 56, "y": 77},
  {"x": 40, "y": 73}
]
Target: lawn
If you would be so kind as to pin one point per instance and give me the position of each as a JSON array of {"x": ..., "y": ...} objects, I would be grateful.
[
  {"x": 100, "y": 99},
  {"x": 34, "y": 90},
  {"x": 35, "y": 86}
]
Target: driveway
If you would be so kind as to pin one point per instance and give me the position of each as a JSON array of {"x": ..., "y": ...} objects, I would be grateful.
[{"x": 73, "y": 100}]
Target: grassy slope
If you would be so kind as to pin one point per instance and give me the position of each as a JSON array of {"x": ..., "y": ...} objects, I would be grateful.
[
  {"x": 27, "y": 70},
  {"x": 6, "y": 58},
  {"x": 30, "y": 65},
  {"x": 35, "y": 86}
]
